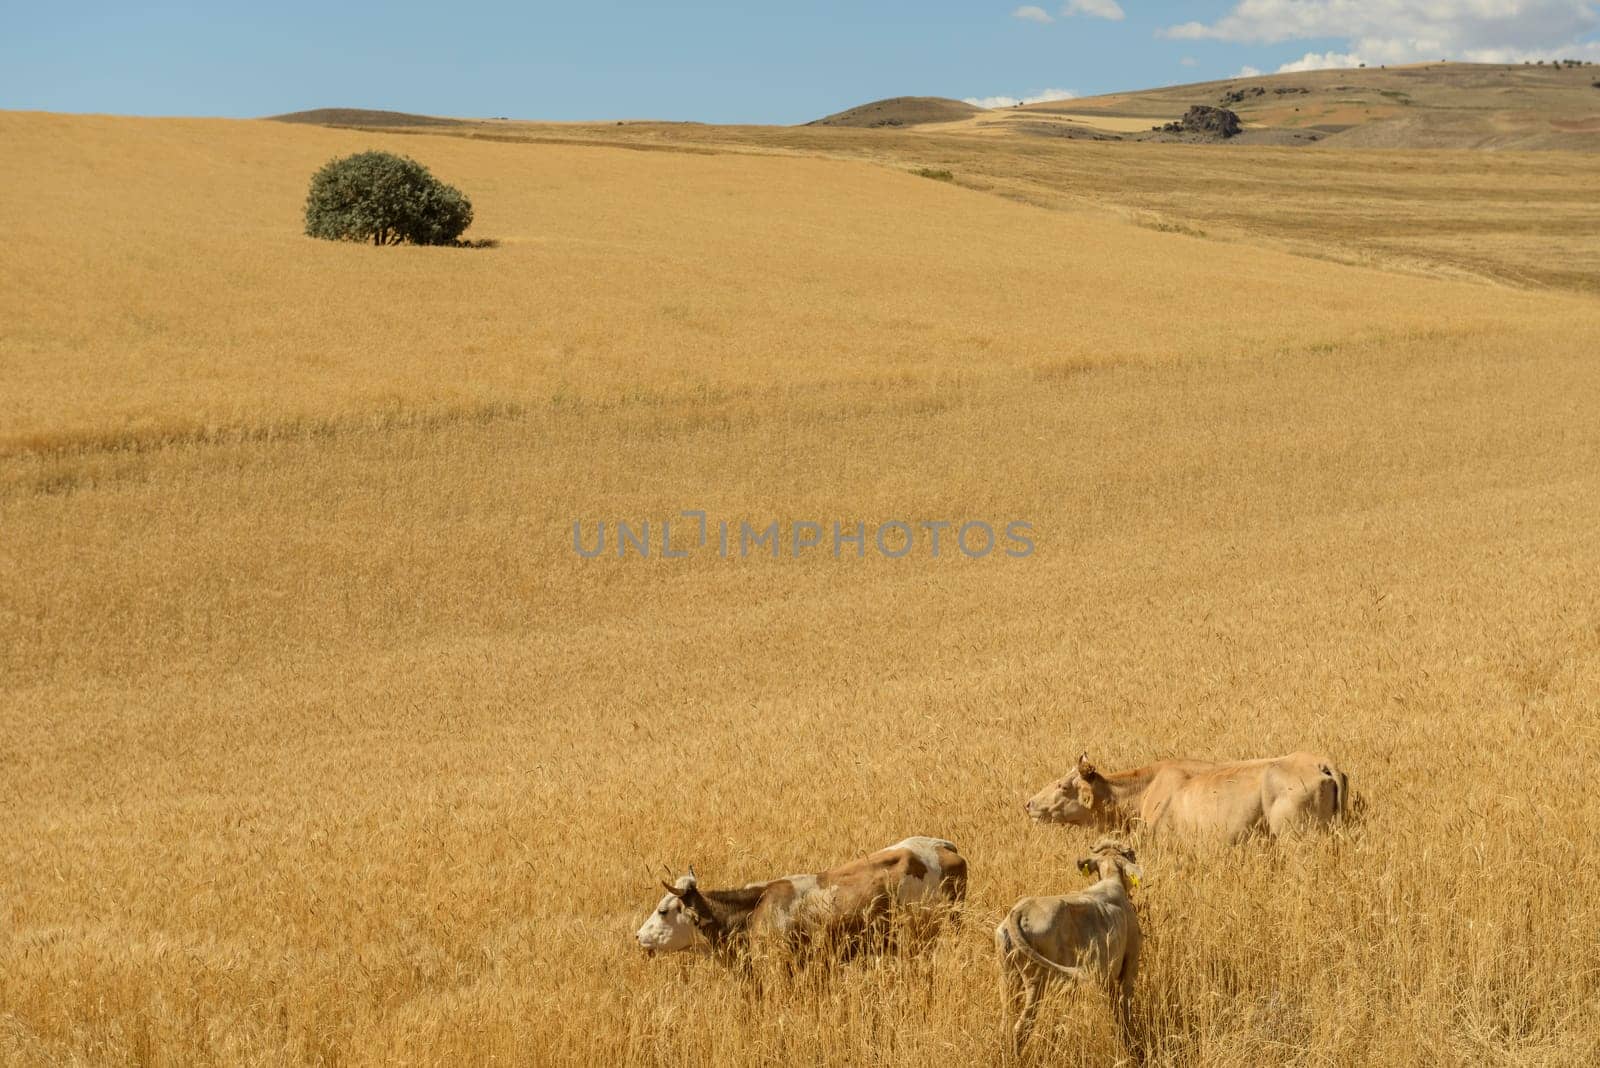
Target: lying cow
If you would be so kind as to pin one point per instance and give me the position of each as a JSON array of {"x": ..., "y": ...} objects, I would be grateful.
[
  {"x": 1093, "y": 934},
  {"x": 844, "y": 906},
  {"x": 1197, "y": 799}
]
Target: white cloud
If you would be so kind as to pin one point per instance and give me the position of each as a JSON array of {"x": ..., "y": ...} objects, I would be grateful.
[
  {"x": 1097, "y": 9},
  {"x": 1409, "y": 31},
  {"x": 1589, "y": 50},
  {"x": 1030, "y": 13},
  {"x": 1248, "y": 71},
  {"x": 1322, "y": 61},
  {"x": 1188, "y": 61},
  {"x": 1012, "y": 101}
]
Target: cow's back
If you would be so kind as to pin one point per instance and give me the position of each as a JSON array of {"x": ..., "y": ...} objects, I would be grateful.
[
  {"x": 1233, "y": 799},
  {"x": 1078, "y": 929},
  {"x": 787, "y": 906},
  {"x": 916, "y": 869},
  {"x": 862, "y": 892}
]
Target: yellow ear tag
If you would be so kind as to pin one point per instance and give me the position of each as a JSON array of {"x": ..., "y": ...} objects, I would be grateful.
[{"x": 1133, "y": 879}]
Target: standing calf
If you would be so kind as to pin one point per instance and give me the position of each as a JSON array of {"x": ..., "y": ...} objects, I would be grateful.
[{"x": 1091, "y": 934}]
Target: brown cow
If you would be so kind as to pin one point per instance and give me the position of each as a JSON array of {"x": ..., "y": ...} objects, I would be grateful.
[
  {"x": 1092, "y": 934},
  {"x": 1201, "y": 799},
  {"x": 843, "y": 906}
]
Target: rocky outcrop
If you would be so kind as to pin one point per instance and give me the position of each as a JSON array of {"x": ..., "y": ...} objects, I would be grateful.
[{"x": 1205, "y": 121}]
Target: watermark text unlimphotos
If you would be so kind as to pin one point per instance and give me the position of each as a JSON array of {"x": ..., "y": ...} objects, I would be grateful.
[{"x": 694, "y": 533}]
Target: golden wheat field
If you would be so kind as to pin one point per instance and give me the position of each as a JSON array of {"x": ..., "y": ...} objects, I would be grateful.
[{"x": 319, "y": 744}]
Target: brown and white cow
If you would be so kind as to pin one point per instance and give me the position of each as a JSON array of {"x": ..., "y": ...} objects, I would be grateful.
[
  {"x": 1092, "y": 934},
  {"x": 847, "y": 906},
  {"x": 1201, "y": 799}
]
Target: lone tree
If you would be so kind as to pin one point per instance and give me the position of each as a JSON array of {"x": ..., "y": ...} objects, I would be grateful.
[{"x": 387, "y": 198}]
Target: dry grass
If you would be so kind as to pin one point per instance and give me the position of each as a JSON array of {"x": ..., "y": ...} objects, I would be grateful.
[
  {"x": 1524, "y": 219},
  {"x": 321, "y": 746}
]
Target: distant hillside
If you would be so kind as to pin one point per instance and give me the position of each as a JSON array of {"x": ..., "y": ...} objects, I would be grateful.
[
  {"x": 902, "y": 111},
  {"x": 362, "y": 117},
  {"x": 1435, "y": 105},
  {"x": 1431, "y": 105}
]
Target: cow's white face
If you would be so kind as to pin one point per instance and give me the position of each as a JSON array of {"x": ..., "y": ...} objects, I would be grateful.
[{"x": 671, "y": 928}]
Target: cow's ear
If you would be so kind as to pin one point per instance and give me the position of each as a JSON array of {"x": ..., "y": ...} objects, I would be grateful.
[
  {"x": 1086, "y": 770},
  {"x": 1134, "y": 873},
  {"x": 1086, "y": 865}
]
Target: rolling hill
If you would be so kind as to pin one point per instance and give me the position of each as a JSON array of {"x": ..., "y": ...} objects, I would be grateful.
[
  {"x": 1436, "y": 105},
  {"x": 1439, "y": 105},
  {"x": 362, "y": 117},
  {"x": 1423, "y": 106},
  {"x": 902, "y": 111}
]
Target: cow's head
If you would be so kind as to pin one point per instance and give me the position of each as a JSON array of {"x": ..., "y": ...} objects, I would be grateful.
[
  {"x": 1080, "y": 797},
  {"x": 681, "y": 920},
  {"x": 1112, "y": 859}
]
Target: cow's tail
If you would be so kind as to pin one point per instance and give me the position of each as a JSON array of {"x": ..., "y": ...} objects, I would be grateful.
[
  {"x": 1341, "y": 792},
  {"x": 1016, "y": 943}
]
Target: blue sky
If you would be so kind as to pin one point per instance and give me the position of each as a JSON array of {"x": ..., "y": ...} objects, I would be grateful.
[{"x": 715, "y": 62}]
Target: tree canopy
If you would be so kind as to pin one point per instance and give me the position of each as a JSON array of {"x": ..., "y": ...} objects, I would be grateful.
[{"x": 384, "y": 198}]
